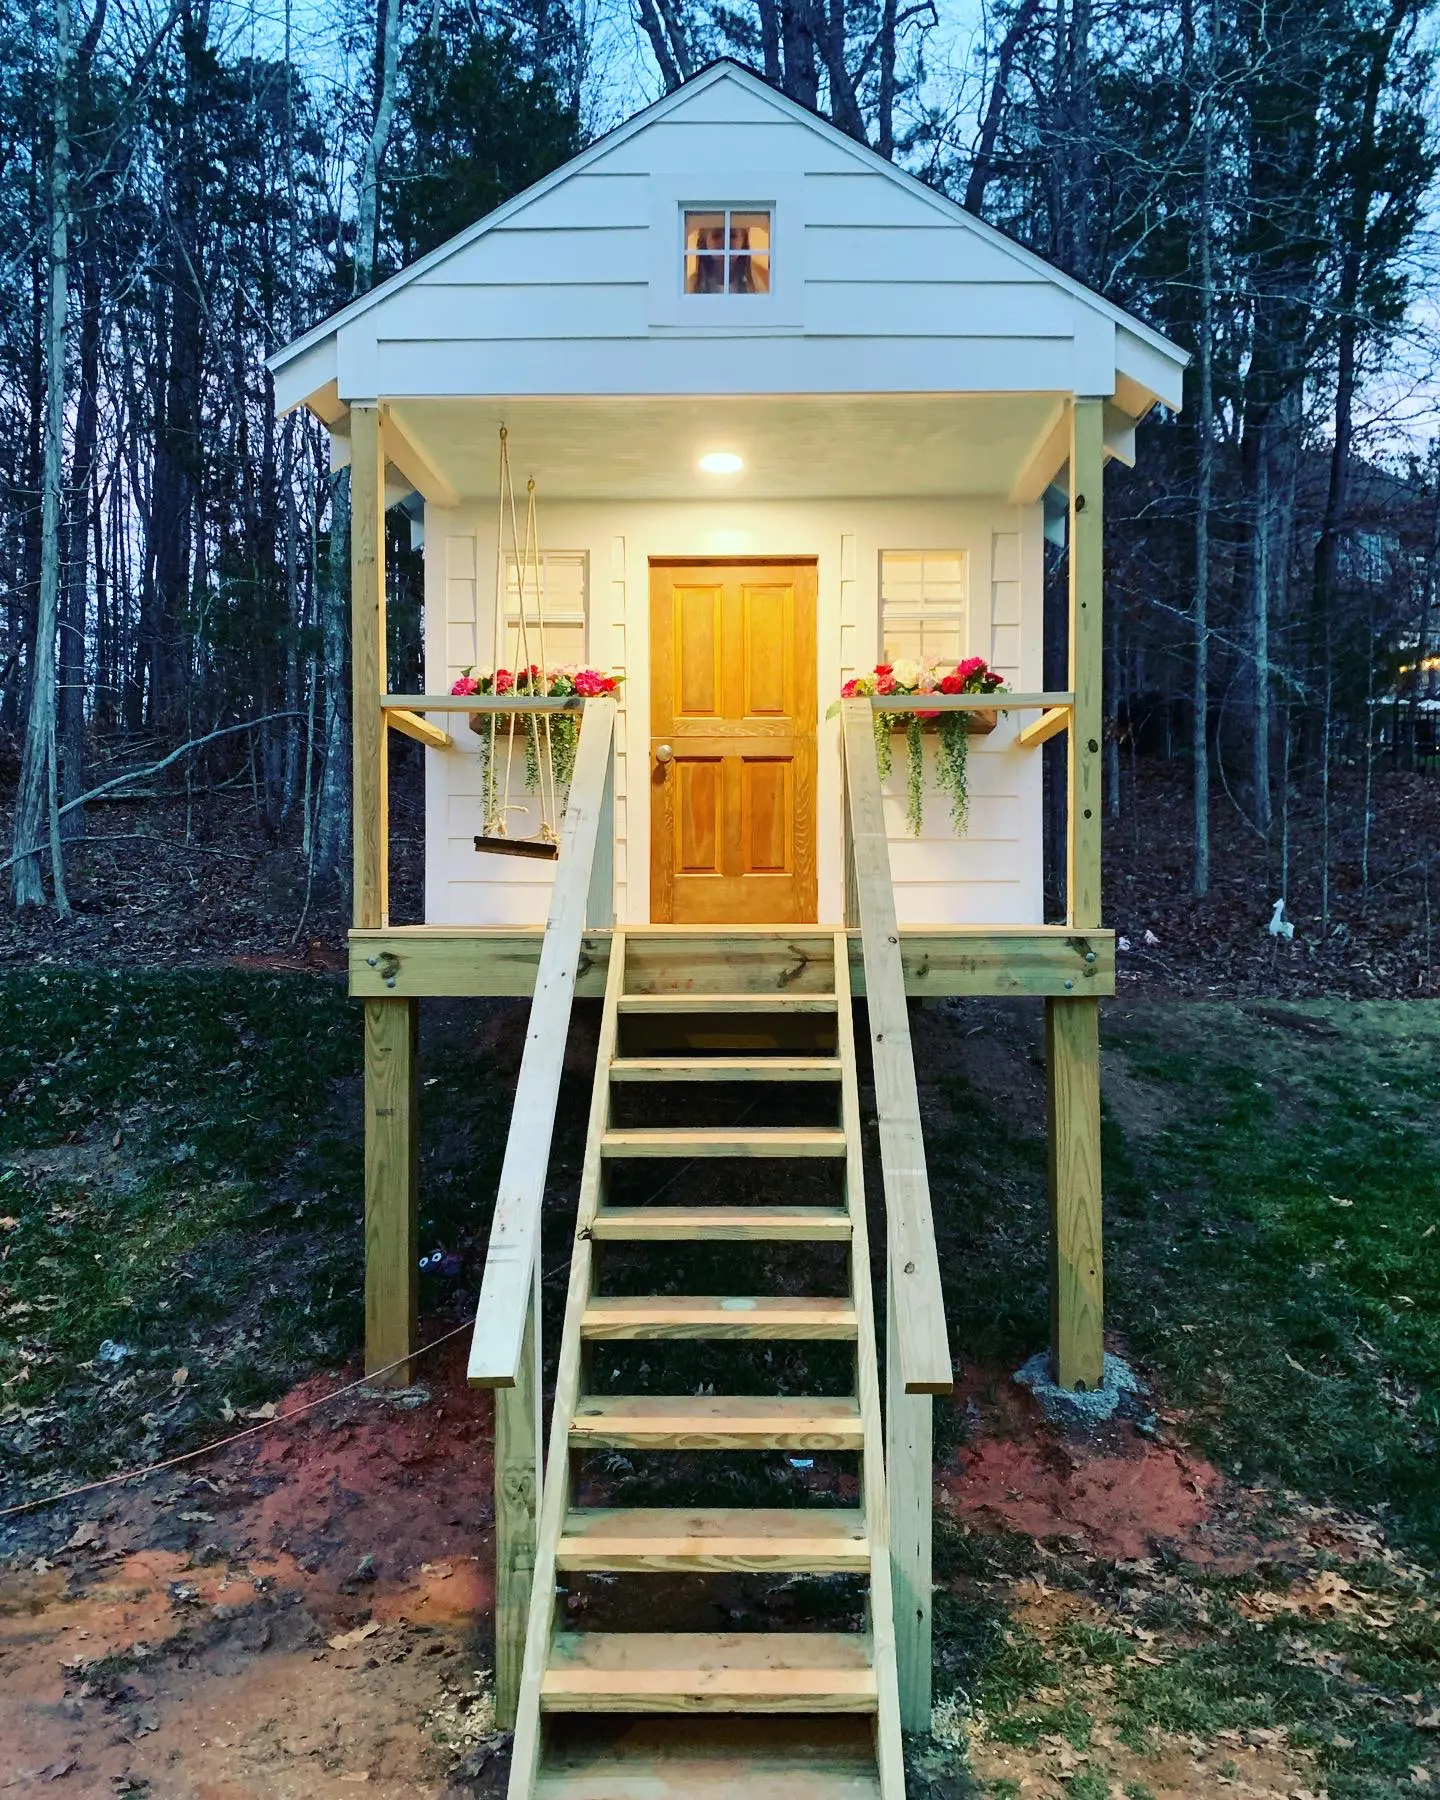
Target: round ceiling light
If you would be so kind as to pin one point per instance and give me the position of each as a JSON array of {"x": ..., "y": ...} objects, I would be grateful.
[{"x": 722, "y": 462}]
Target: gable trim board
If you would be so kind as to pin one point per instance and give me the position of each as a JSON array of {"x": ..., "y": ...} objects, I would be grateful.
[{"x": 397, "y": 341}]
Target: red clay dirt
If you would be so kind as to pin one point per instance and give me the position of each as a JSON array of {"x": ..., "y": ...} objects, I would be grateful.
[
  {"x": 295, "y": 1618},
  {"x": 307, "y": 1614},
  {"x": 1117, "y": 1495}
]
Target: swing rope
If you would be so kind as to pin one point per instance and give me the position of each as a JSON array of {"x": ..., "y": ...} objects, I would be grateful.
[{"x": 529, "y": 578}]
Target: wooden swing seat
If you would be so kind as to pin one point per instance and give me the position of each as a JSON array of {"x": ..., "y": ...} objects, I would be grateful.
[{"x": 505, "y": 846}]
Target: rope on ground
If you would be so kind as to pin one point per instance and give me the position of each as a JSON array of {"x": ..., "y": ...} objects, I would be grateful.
[{"x": 171, "y": 1462}]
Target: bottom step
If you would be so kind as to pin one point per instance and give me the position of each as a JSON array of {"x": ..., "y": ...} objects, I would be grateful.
[
  {"x": 708, "y": 1759},
  {"x": 700, "y": 1671}
]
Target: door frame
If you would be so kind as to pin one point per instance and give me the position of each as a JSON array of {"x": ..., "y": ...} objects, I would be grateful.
[{"x": 809, "y": 559}]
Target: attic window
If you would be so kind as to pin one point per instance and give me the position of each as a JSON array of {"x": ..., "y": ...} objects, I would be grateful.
[{"x": 727, "y": 251}]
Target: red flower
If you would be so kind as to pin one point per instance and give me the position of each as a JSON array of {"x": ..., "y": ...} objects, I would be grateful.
[
  {"x": 467, "y": 684},
  {"x": 883, "y": 669},
  {"x": 951, "y": 684},
  {"x": 608, "y": 684},
  {"x": 504, "y": 681}
]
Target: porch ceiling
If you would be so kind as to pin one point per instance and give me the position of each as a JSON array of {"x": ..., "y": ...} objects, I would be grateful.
[{"x": 794, "y": 447}]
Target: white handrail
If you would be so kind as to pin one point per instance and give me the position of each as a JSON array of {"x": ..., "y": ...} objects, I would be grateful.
[
  {"x": 912, "y": 1265},
  {"x": 505, "y": 1291}
]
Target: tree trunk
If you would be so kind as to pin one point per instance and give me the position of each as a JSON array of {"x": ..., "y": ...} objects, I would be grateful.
[
  {"x": 983, "y": 163},
  {"x": 332, "y": 823},
  {"x": 37, "y": 806},
  {"x": 387, "y": 54}
]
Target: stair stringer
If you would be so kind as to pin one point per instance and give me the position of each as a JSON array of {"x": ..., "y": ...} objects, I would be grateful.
[
  {"x": 889, "y": 1749},
  {"x": 555, "y": 1489}
]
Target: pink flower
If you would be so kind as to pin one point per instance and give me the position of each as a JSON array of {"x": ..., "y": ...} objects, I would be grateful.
[
  {"x": 970, "y": 668},
  {"x": 884, "y": 680},
  {"x": 467, "y": 684},
  {"x": 848, "y": 691},
  {"x": 588, "y": 683}
]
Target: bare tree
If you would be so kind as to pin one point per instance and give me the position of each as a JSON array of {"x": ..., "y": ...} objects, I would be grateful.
[{"x": 37, "y": 814}]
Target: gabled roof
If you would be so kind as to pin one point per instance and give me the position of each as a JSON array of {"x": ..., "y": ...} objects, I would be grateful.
[{"x": 727, "y": 70}]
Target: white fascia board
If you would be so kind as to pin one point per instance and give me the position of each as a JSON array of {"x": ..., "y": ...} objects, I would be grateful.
[
  {"x": 303, "y": 376},
  {"x": 1160, "y": 373}
]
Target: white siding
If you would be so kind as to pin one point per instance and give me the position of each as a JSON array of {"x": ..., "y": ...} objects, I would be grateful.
[
  {"x": 990, "y": 876},
  {"x": 560, "y": 296}
]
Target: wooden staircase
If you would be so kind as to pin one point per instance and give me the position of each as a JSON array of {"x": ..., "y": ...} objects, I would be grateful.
[{"x": 770, "y": 1714}]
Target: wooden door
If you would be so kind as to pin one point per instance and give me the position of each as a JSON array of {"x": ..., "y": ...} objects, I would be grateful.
[{"x": 732, "y": 745}]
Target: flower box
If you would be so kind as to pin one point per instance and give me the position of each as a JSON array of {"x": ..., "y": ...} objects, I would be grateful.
[
  {"x": 979, "y": 721},
  {"x": 952, "y": 728}
]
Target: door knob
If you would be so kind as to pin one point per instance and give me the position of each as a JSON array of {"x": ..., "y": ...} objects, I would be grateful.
[{"x": 663, "y": 753}]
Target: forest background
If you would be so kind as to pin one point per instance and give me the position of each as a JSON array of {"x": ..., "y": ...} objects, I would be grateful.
[{"x": 187, "y": 184}]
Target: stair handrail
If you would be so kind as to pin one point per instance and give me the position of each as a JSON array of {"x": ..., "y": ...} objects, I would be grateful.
[
  {"x": 583, "y": 889},
  {"x": 912, "y": 1261}
]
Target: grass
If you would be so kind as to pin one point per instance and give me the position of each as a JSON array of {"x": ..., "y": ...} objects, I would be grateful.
[
  {"x": 181, "y": 1180},
  {"x": 180, "y": 1174},
  {"x": 1273, "y": 1264}
]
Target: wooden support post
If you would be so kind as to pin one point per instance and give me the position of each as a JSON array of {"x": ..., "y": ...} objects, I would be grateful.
[
  {"x": 517, "y": 1496},
  {"x": 368, "y": 674},
  {"x": 1072, "y": 1027},
  {"x": 908, "y": 1451},
  {"x": 1077, "y": 1280},
  {"x": 391, "y": 1184},
  {"x": 1087, "y": 542}
]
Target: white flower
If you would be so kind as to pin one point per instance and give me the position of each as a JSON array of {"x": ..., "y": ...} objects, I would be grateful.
[{"x": 906, "y": 673}]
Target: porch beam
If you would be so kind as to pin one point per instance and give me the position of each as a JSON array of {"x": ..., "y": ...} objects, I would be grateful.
[
  {"x": 465, "y": 962},
  {"x": 415, "y": 464}
]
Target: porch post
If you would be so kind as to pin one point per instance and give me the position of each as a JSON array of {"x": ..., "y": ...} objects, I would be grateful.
[
  {"x": 1072, "y": 1027},
  {"x": 391, "y": 1026}
]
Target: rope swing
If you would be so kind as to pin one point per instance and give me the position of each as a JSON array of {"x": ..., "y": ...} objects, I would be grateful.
[{"x": 531, "y": 675}]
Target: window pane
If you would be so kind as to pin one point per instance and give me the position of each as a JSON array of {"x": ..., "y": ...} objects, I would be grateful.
[
  {"x": 749, "y": 274},
  {"x": 705, "y": 274},
  {"x": 750, "y": 231},
  {"x": 727, "y": 252},
  {"x": 704, "y": 231}
]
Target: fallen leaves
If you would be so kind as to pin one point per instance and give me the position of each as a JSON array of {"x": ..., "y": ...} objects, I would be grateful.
[
  {"x": 349, "y": 1640},
  {"x": 86, "y": 1536},
  {"x": 1330, "y": 1596}
]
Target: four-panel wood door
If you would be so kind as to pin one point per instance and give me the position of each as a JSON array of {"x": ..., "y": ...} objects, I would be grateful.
[{"x": 732, "y": 746}]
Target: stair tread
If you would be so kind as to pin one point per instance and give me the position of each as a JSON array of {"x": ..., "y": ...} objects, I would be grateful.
[
  {"x": 726, "y": 1140},
  {"x": 648, "y": 1671},
  {"x": 713, "y": 1003},
  {"x": 709, "y": 1758},
  {"x": 717, "y": 1316},
  {"x": 796, "y": 1540},
  {"x": 725, "y": 1068},
  {"x": 718, "y": 1223},
  {"x": 708, "y": 1421}
]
